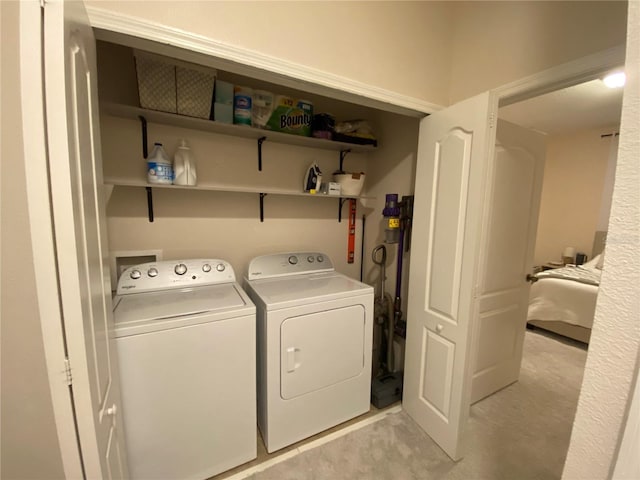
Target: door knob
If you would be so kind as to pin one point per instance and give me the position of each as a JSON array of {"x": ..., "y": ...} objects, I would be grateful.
[
  {"x": 111, "y": 411},
  {"x": 439, "y": 327},
  {"x": 531, "y": 278}
]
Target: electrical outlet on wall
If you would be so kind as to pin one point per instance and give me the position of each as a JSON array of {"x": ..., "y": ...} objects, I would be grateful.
[{"x": 121, "y": 260}]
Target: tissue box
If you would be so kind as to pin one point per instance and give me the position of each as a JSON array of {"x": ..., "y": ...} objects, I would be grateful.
[
  {"x": 333, "y": 188},
  {"x": 330, "y": 188},
  {"x": 223, "y": 113},
  {"x": 224, "y": 93},
  {"x": 350, "y": 183}
]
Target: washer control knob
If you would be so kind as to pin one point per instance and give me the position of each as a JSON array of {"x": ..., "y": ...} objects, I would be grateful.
[
  {"x": 293, "y": 259},
  {"x": 220, "y": 267},
  {"x": 180, "y": 269},
  {"x": 310, "y": 259},
  {"x": 320, "y": 258},
  {"x": 153, "y": 272},
  {"x": 135, "y": 274},
  {"x": 206, "y": 268}
]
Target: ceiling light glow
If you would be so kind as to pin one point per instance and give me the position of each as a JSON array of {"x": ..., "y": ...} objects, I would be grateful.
[{"x": 614, "y": 80}]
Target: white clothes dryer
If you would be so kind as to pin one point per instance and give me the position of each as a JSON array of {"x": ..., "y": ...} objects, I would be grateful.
[
  {"x": 314, "y": 334},
  {"x": 185, "y": 336}
]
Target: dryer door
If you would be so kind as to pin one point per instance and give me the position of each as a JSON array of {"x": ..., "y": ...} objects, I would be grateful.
[{"x": 321, "y": 349}]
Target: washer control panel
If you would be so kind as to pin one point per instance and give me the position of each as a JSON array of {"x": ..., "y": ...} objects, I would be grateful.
[
  {"x": 175, "y": 273},
  {"x": 294, "y": 263}
]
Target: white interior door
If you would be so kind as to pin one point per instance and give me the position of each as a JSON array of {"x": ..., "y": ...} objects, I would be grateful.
[
  {"x": 451, "y": 172},
  {"x": 75, "y": 167},
  {"x": 508, "y": 246}
]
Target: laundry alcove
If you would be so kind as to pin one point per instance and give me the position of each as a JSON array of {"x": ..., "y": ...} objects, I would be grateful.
[{"x": 238, "y": 211}]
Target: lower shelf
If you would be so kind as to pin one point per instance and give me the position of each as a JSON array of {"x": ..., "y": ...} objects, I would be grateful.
[{"x": 263, "y": 192}]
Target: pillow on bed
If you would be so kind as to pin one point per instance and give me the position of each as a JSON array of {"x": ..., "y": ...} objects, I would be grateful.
[{"x": 594, "y": 262}]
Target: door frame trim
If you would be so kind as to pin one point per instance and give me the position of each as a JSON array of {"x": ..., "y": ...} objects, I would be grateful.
[
  {"x": 41, "y": 226},
  {"x": 561, "y": 76}
]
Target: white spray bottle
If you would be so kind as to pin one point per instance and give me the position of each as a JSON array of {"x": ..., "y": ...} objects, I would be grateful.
[{"x": 184, "y": 166}]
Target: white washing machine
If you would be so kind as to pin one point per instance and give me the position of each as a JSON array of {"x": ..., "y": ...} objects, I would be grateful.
[
  {"x": 314, "y": 333},
  {"x": 185, "y": 336}
]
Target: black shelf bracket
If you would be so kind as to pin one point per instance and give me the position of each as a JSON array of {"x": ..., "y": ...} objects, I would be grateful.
[
  {"x": 150, "y": 203},
  {"x": 262, "y": 195},
  {"x": 145, "y": 154},
  {"x": 341, "y": 202},
  {"x": 343, "y": 154},
  {"x": 145, "y": 151},
  {"x": 260, "y": 142}
]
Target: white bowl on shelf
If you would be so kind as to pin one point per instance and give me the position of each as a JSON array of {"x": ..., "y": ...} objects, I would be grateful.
[{"x": 350, "y": 183}]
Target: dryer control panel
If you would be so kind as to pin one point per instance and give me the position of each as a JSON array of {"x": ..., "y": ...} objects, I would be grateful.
[
  {"x": 152, "y": 276},
  {"x": 292, "y": 263}
]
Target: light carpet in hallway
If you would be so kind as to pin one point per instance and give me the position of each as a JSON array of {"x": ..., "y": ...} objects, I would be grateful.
[{"x": 521, "y": 432}]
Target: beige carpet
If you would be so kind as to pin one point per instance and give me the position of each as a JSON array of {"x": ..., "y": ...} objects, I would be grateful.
[{"x": 521, "y": 432}]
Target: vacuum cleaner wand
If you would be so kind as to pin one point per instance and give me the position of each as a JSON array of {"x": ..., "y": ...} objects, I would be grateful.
[
  {"x": 406, "y": 215},
  {"x": 382, "y": 263},
  {"x": 387, "y": 388}
]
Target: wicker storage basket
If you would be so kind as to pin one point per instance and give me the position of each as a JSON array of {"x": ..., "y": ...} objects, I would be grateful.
[{"x": 174, "y": 86}]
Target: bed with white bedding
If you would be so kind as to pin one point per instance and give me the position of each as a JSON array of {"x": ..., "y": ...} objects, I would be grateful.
[{"x": 563, "y": 300}]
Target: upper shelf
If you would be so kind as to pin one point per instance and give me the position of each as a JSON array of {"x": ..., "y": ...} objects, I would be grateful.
[{"x": 154, "y": 116}]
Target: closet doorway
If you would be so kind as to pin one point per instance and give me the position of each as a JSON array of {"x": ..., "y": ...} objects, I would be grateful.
[{"x": 581, "y": 125}]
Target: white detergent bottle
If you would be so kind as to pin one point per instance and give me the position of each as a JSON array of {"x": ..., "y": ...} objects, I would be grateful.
[
  {"x": 159, "y": 169},
  {"x": 184, "y": 166}
]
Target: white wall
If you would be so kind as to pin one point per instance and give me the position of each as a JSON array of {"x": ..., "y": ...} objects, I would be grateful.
[
  {"x": 628, "y": 462},
  {"x": 440, "y": 52},
  {"x": 572, "y": 192},
  {"x": 499, "y": 42},
  {"x": 370, "y": 42},
  {"x": 29, "y": 446},
  {"x": 612, "y": 362},
  {"x": 609, "y": 179}
]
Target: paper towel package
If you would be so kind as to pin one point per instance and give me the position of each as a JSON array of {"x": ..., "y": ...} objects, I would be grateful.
[
  {"x": 261, "y": 108},
  {"x": 291, "y": 116}
]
